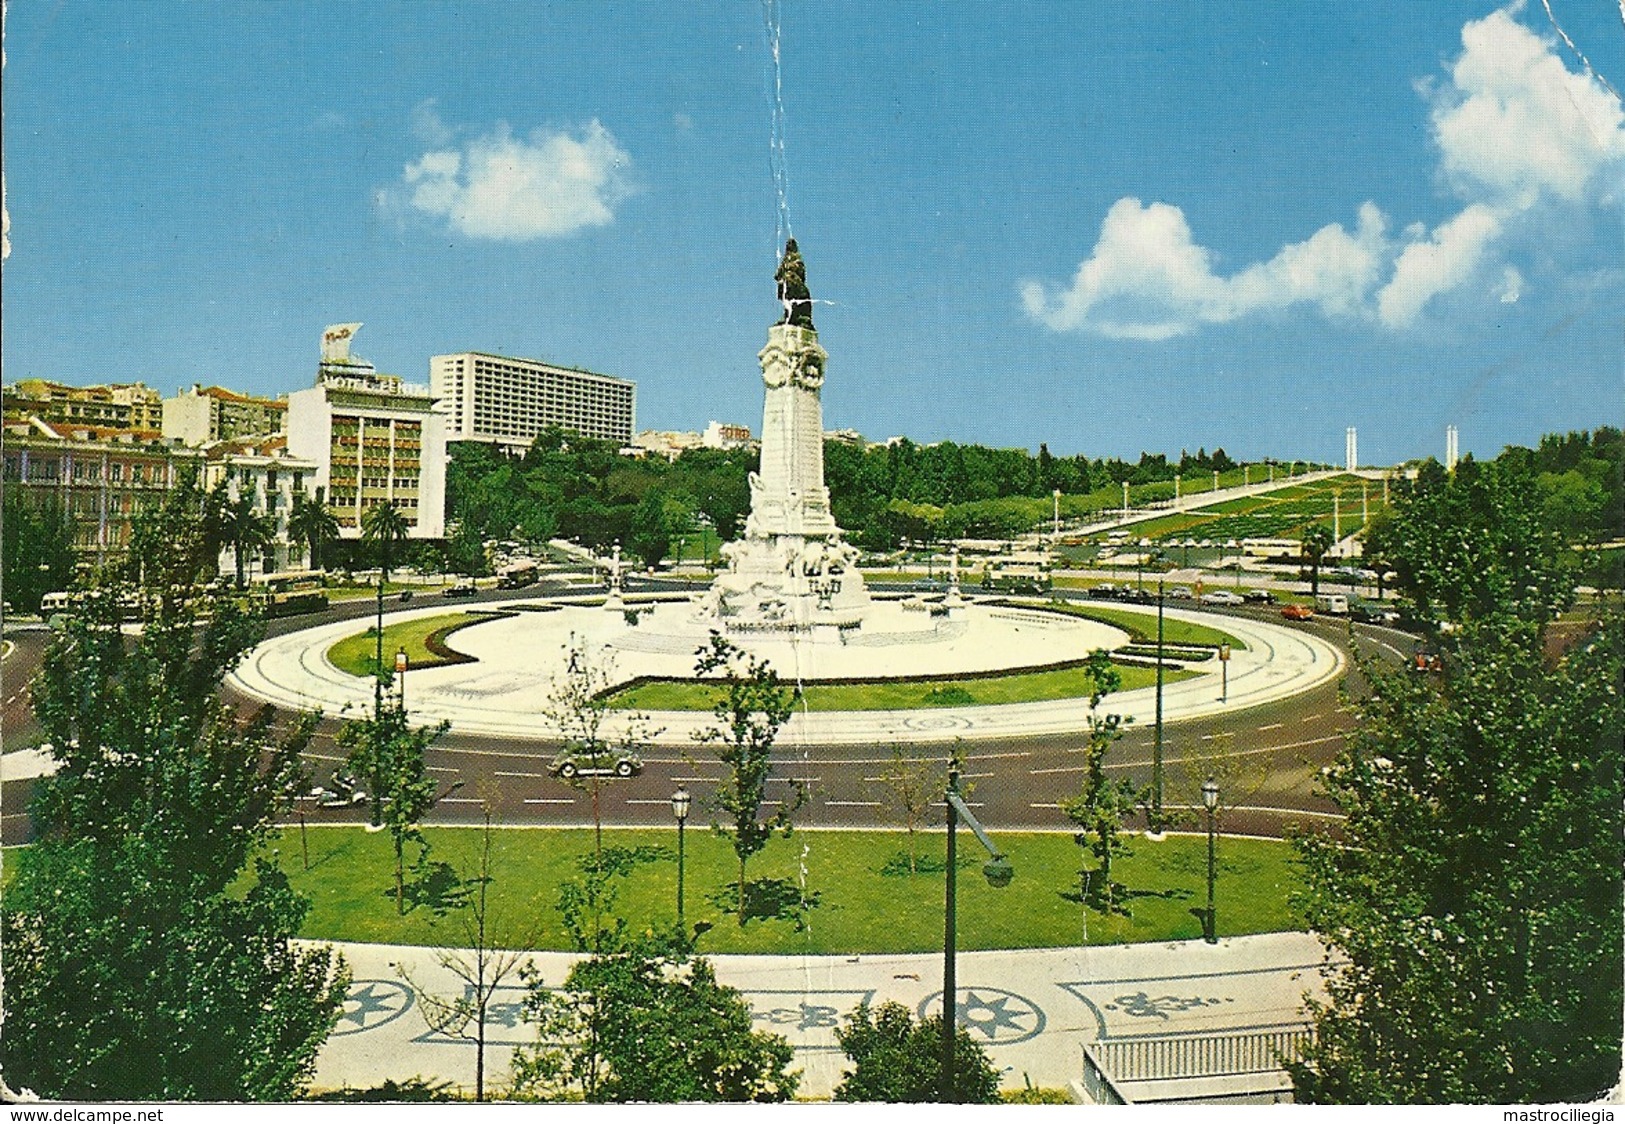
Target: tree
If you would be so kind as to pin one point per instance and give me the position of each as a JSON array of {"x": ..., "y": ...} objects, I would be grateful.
[
  {"x": 651, "y": 535},
  {"x": 1101, "y": 805},
  {"x": 641, "y": 1019},
  {"x": 911, "y": 787},
  {"x": 386, "y": 749},
  {"x": 750, "y": 712},
  {"x": 247, "y": 531},
  {"x": 384, "y": 529},
  {"x": 146, "y": 912},
  {"x": 487, "y": 956},
  {"x": 314, "y": 525},
  {"x": 896, "y": 1060},
  {"x": 1475, "y": 890},
  {"x": 1315, "y": 543},
  {"x": 1476, "y": 543},
  {"x": 578, "y": 705},
  {"x": 36, "y": 551},
  {"x": 465, "y": 550}
]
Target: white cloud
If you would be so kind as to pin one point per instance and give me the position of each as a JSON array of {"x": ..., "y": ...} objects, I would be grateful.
[
  {"x": 501, "y": 187},
  {"x": 1148, "y": 279},
  {"x": 1427, "y": 267},
  {"x": 1514, "y": 128},
  {"x": 1511, "y": 287},
  {"x": 1515, "y": 123}
]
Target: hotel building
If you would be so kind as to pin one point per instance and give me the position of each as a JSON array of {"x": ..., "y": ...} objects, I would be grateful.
[
  {"x": 505, "y": 401},
  {"x": 374, "y": 440}
]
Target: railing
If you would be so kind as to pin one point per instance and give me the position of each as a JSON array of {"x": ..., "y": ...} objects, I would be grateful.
[{"x": 1112, "y": 1062}]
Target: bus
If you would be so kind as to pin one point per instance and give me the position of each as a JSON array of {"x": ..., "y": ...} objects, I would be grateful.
[
  {"x": 517, "y": 575},
  {"x": 293, "y": 592},
  {"x": 1019, "y": 573}
]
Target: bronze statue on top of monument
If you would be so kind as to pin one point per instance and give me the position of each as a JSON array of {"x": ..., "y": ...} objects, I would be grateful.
[{"x": 793, "y": 292}]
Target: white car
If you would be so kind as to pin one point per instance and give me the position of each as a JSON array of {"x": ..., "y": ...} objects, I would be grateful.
[{"x": 1221, "y": 597}]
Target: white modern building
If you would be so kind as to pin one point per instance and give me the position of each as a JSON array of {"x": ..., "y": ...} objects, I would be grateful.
[
  {"x": 505, "y": 401},
  {"x": 374, "y": 440}
]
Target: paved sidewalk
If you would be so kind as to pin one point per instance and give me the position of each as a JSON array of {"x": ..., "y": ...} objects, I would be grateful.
[{"x": 1034, "y": 1008}]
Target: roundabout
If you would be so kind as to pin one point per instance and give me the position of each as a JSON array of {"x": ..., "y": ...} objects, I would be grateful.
[{"x": 505, "y": 689}]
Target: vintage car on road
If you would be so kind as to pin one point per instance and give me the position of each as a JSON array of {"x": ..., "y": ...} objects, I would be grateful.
[
  {"x": 1298, "y": 613},
  {"x": 607, "y": 764}
]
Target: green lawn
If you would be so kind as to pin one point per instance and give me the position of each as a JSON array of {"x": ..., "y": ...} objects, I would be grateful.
[
  {"x": 902, "y": 694},
  {"x": 853, "y": 904},
  {"x": 1141, "y": 625},
  {"x": 354, "y": 654}
]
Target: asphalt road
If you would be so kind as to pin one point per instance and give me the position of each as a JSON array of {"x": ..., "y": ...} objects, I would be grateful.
[{"x": 1275, "y": 752}]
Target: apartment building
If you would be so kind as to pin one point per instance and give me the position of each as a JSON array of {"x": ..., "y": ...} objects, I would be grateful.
[
  {"x": 213, "y": 413},
  {"x": 506, "y": 401},
  {"x": 133, "y": 406},
  {"x": 373, "y": 439},
  {"x": 263, "y": 469},
  {"x": 99, "y": 475}
]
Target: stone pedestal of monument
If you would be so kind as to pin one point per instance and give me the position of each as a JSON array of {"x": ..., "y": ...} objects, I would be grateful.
[{"x": 791, "y": 571}]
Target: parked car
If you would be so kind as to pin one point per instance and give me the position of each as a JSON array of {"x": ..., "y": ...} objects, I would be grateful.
[
  {"x": 463, "y": 587},
  {"x": 1181, "y": 593},
  {"x": 1221, "y": 597},
  {"x": 1105, "y": 591},
  {"x": 1259, "y": 596},
  {"x": 1372, "y": 612},
  {"x": 606, "y": 764},
  {"x": 1298, "y": 613}
]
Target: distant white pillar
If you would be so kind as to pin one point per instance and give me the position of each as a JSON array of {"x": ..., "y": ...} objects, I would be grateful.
[
  {"x": 1215, "y": 480},
  {"x": 1450, "y": 448},
  {"x": 1351, "y": 448},
  {"x": 1337, "y": 521},
  {"x": 1125, "y": 500},
  {"x": 1057, "y": 513},
  {"x": 1176, "y": 490}
]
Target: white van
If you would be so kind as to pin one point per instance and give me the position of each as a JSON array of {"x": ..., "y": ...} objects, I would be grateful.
[{"x": 1332, "y": 604}]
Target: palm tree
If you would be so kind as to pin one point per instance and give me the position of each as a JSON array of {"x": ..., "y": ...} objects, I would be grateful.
[
  {"x": 1316, "y": 542},
  {"x": 314, "y": 525},
  {"x": 246, "y": 530},
  {"x": 385, "y": 528}
]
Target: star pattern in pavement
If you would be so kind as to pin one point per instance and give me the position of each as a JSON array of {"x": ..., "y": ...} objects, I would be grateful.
[{"x": 372, "y": 998}]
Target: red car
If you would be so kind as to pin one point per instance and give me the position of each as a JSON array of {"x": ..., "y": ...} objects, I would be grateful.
[{"x": 1298, "y": 613}]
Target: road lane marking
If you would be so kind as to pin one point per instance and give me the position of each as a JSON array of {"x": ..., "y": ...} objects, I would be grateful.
[
  {"x": 441, "y": 769},
  {"x": 1061, "y": 769},
  {"x": 534, "y": 776},
  {"x": 1271, "y": 726},
  {"x": 852, "y": 803},
  {"x": 548, "y": 800},
  {"x": 460, "y": 800},
  {"x": 1313, "y": 717}
]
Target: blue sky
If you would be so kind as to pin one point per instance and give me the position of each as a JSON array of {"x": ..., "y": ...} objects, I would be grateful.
[{"x": 1105, "y": 227}]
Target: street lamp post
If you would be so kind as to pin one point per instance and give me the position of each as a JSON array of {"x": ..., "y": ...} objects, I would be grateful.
[
  {"x": 679, "y": 807},
  {"x": 998, "y": 873},
  {"x": 400, "y": 676},
  {"x": 1156, "y": 744},
  {"x": 1210, "y": 801}
]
